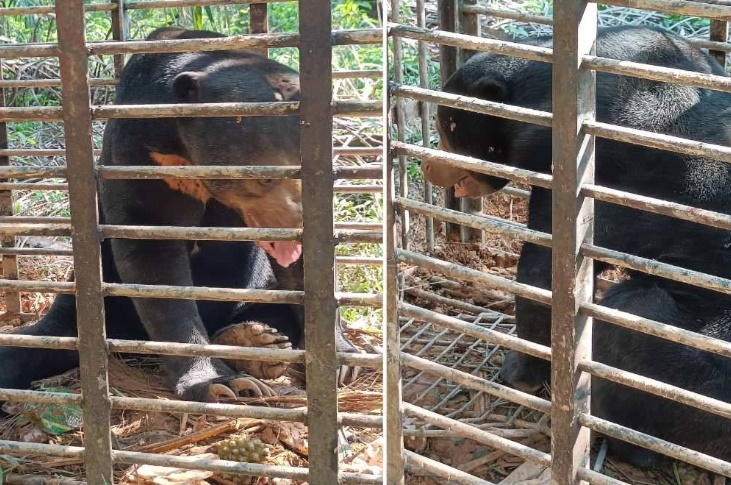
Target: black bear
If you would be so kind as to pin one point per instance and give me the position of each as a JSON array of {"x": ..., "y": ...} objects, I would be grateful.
[
  {"x": 698, "y": 114},
  {"x": 202, "y": 77}
]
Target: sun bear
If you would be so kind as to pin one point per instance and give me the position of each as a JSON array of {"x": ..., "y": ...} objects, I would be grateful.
[{"x": 698, "y": 114}]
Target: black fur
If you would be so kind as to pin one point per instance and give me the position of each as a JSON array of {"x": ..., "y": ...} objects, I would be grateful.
[
  {"x": 698, "y": 114},
  {"x": 223, "y": 76}
]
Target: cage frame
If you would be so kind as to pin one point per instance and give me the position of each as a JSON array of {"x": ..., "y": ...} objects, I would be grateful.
[
  {"x": 573, "y": 309},
  {"x": 316, "y": 111}
]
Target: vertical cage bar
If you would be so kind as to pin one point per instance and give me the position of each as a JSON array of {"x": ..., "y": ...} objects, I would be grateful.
[
  {"x": 10, "y": 262},
  {"x": 447, "y": 10},
  {"x": 393, "y": 427},
  {"x": 318, "y": 238},
  {"x": 719, "y": 33},
  {"x": 403, "y": 187},
  {"x": 259, "y": 23},
  {"x": 85, "y": 232},
  {"x": 119, "y": 33},
  {"x": 425, "y": 119},
  {"x": 470, "y": 25},
  {"x": 575, "y": 28}
]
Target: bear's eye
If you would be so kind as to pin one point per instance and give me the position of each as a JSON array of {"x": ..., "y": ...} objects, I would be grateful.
[{"x": 266, "y": 182}]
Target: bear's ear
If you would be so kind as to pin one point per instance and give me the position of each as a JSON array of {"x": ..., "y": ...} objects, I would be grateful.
[
  {"x": 286, "y": 85},
  {"x": 187, "y": 86},
  {"x": 490, "y": 89}
]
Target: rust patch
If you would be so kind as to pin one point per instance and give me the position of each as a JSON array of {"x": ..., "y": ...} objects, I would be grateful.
[{"x": 191, "y": 187}]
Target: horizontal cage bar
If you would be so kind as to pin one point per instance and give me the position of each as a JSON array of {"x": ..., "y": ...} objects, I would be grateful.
[
  {"x": 477, "y": 383},
  {"x": 470, "y": 42},
  {"x": 476, "y": 331},
  {"x": 657, "y": 388},
  {"x": 658, "y": 329},
  {"x": 473, "y": 164},
  {"x": 655, "y": 444},
  {"x": 251, "y": 41},
  {"x": 475, "y": 105},
  {"x": 415, "y": 462},
  {"x": 483, "y": 222},
  {"x": 478, "y": 277}
]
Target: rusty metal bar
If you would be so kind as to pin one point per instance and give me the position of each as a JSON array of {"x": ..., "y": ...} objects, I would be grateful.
[
  {"x": 476, "y": 331},
  {"x": 424, "y": 114},
  {"x": 719, "y": 46},
  {"x": 373, "y": 361},
  {"x": 657, "y": 329},
  {"x": 105, "y": 7},
  {"x": 120, "y": 29},
  {"x": 357, "y": 189},
  {"x": 36, "y": 252},
  {"x": 318, "y": 244},
  {"x": 657, "y": 73},
  {"x": 371, "y": 171},
  {"x": 259, "y": 23},
  {"x": 195, "y": 463},
  {"x": 719, "y": 33},
  {"x": 9, "y": 186},
  {"x": 24, "y": 479},
  {"x": 342, "y": 37},
  {"x": 50, "y": 83},
  {"x": 658, "y": 140},
  {"x": 658, "y": 206},
  {"x": 657, "y": 388},
  {"x": 43, "y": 10},
  {"x": 469, "y": 25},
  {"x": 475, "y": 10},
  {"x": 452, "y": 39},
  {"x": 398, "y": 110},
  {"x": 87, "y": 250},
  {"x": 478, "y": 277},
  {"x": 574, "y": 93},
  {"x": 196, "y": 3},
  {"x": 447, "y": 13},
  {"x": 195, "y": 233},
  {"x": 475, "y": 164},
  {"x": 415, "y": 461},
  {"x": 678, "y": 7},
  {"x": 102, "y": 82},
  {"x": 9, "y": 261},
  {"x": 40, "y": 397},
  {"x": 202, "y": 293},
  {"x": 481, "y": 222},
  {"x": 664, "y": 270},
  {"x": 655, "y": 444},
  {"x": 38, "y": 342},
  {"x": 477, "y": 383},
  {"x": 476, "y": 105},
  {"x": 192, "y": 293},
  {"x": 60, "y": 152},
  {"x": 16, "y": 447},
  {"x": 253, "y": 41},
  {"x": 481, "y": 436},
  {"x": 38, "y": 152},
  {"x": 393, "y": 399}
]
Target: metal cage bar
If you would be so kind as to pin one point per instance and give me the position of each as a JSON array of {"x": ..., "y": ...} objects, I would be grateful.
[
  {"x": 87, "y": 250},
  {"x": 316, "y": 122},
  {"x": 574, "y": 91},
  {"x": 393, "y": 432}
]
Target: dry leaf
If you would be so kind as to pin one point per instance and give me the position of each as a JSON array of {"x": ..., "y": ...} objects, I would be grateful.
[
  {"x": 528, "y": 474},
  {"x": 162, "y": 475},
  {"x": 292, "y": 436}
]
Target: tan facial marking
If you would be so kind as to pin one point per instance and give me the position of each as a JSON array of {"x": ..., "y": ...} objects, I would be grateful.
[{"x": 191, "y": 187}]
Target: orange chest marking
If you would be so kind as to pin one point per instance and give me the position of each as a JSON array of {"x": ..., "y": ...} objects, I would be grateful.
[{"x": 191, "y": 187}]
